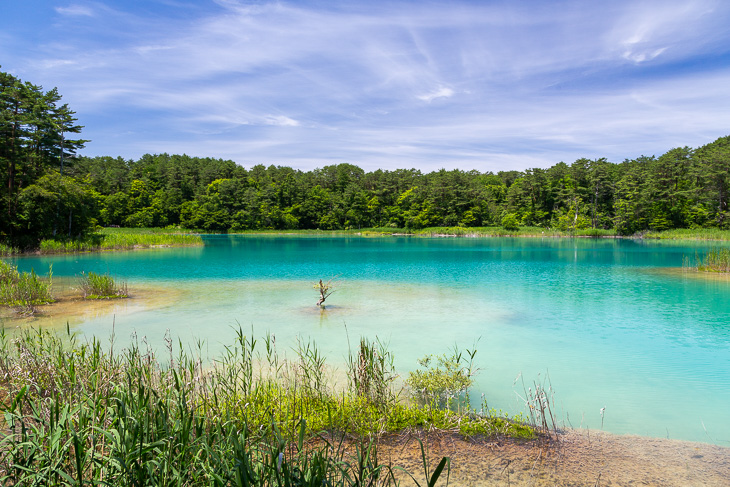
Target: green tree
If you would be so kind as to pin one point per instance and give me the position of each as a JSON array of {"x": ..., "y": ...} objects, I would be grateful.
[{"x": 34, "y": 130}]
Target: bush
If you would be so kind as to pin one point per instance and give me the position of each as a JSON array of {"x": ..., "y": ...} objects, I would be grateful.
[
  {"x": 446, "y": 383},
  {"x": 510, "y": 223}
]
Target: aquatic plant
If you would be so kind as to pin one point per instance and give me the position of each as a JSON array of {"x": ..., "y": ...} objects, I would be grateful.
[
  {"x": 76, "y": 414},
  {"x": 715, "y": 260},
  {"x": 121, "y": 239},
  {"x": 690, "y": 233},
  {"x": 24, "y": 291},
  {"x": 101, "y": 286}
]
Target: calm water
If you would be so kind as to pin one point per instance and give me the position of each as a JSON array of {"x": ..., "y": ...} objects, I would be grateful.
[{"x": 613, "y": 323}]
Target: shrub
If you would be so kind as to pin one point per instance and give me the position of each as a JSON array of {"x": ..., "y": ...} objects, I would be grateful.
[
  {"x": 445, "y": 380},
  {"x": 510, "y": 223}
]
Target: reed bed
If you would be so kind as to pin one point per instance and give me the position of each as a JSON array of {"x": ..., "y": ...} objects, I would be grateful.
[
  {"x": 101, "y": 286},
  {"x": 78, "y": 415},
  {"x": 520, "y": 232},
  {"x": 24, "y": 291},
  {"x": 690, "y": 234},
  {"x": 122, "y": 239},
  {"x": 715, "y": 260}
]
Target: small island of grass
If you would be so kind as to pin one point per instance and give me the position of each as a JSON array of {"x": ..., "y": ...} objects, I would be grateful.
[
  {"x": 24, "y": 291},
  {"x": 101, "y": 286}
]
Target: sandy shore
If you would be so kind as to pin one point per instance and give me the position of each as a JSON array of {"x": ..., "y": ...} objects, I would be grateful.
[{"x": 577, "y": 458}]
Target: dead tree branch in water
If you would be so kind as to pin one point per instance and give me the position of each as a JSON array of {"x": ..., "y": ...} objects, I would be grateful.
[{"x": 325, "y": 289}]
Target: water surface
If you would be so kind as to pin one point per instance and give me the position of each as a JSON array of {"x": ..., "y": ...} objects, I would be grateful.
[{"x": 613, "y": 324}]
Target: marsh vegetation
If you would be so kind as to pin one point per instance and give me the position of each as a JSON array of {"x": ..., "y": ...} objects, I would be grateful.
[
  {"x": 101, "y": 286},
  {"x": 714, "y": 260},
  {"x": 78, "y": 414},
  {"x": 24, "y": 291}
]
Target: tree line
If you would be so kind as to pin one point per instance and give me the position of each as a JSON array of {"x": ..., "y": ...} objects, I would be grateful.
[
  {"x": 683, "y": 188},
  {"x": 51, "y": 192}
]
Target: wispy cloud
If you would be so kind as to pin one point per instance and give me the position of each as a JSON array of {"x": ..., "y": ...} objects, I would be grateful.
[
  {"x": 441, "y": 92},
  {"x": 484, "y": 86},
  {"x": 75, "y": 11}
]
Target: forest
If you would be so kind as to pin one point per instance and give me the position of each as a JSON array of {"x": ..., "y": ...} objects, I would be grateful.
[{"x": 49, "y": 191}]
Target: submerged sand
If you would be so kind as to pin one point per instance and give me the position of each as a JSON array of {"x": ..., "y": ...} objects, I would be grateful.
[{"x": 70, "y": 307}]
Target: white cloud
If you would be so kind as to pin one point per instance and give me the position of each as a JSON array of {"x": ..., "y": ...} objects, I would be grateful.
[
  {"x": 441, "y": 92},
  {"x": 75, "y": 11},
  {"x": 536, "y": 84},
  {"x": 640, "y": 57},
  {"x": 281, "y": 121}
]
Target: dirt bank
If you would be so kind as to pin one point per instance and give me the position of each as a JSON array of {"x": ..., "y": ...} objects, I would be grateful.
[{"x": 577, "y": 458}]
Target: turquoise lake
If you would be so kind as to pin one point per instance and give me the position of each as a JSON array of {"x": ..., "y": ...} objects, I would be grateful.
[{"x": 614, "y": 324}]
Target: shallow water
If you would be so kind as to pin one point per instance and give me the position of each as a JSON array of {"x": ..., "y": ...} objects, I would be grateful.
[{"x": 614, "y": 324}]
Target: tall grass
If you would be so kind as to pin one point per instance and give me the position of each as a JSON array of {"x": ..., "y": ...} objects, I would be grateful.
[
  {"x": 101, "y": 286},
  {"x": 715, "y": 260},
  {"x": 492, "y": 232},
  {"x": 121, "y": 239},
  {"x": 690, "y": 234},
  {"x": 78, "y": 415},
  {"x": 6, "y": 250},
  {"x": 24, "y": 291}
]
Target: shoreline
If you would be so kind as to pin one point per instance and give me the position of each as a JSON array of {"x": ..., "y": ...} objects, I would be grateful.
[
  {"x": 436, "y": 232},
  {"x": 574, "y": 457}
]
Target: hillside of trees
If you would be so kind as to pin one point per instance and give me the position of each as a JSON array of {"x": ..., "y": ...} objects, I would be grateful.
[
  {"x": 683, "y": 188},
  {"x": 50, "y": 192}
]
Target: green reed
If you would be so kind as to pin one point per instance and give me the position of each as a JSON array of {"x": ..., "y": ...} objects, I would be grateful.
[
  {"x": 123, "y": 238},
  {"x": 715, "y": 260},
  {"x": 24, "y": 291},
  {"x": 75, "y": 414},
  {"x": 101, "y": 286},
  {"x": 690, "y": 233}
]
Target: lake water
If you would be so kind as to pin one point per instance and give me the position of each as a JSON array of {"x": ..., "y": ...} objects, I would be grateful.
[{"x": 614, "y": 324}]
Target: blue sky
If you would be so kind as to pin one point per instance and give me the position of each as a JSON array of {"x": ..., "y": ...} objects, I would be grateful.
[{"x": 381, "y": 84}]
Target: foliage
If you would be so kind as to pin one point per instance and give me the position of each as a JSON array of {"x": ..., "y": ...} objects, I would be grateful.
[
  {"x": 36, "y": 198},
  {"x": 24, "y": 291},
  {"x": 76, "y": 414},
  {"x": 510, "y": 223},
  {"x": 694, "y": 233},
  {"x": 371, "y": 373},
  {"x": 684, "y": 188},
  {"x": 445, "y": 379},
  {"x": 6, "y": 250},
  {"x": 101, "y": 286},
  {"x": 48, "y": 192}
]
